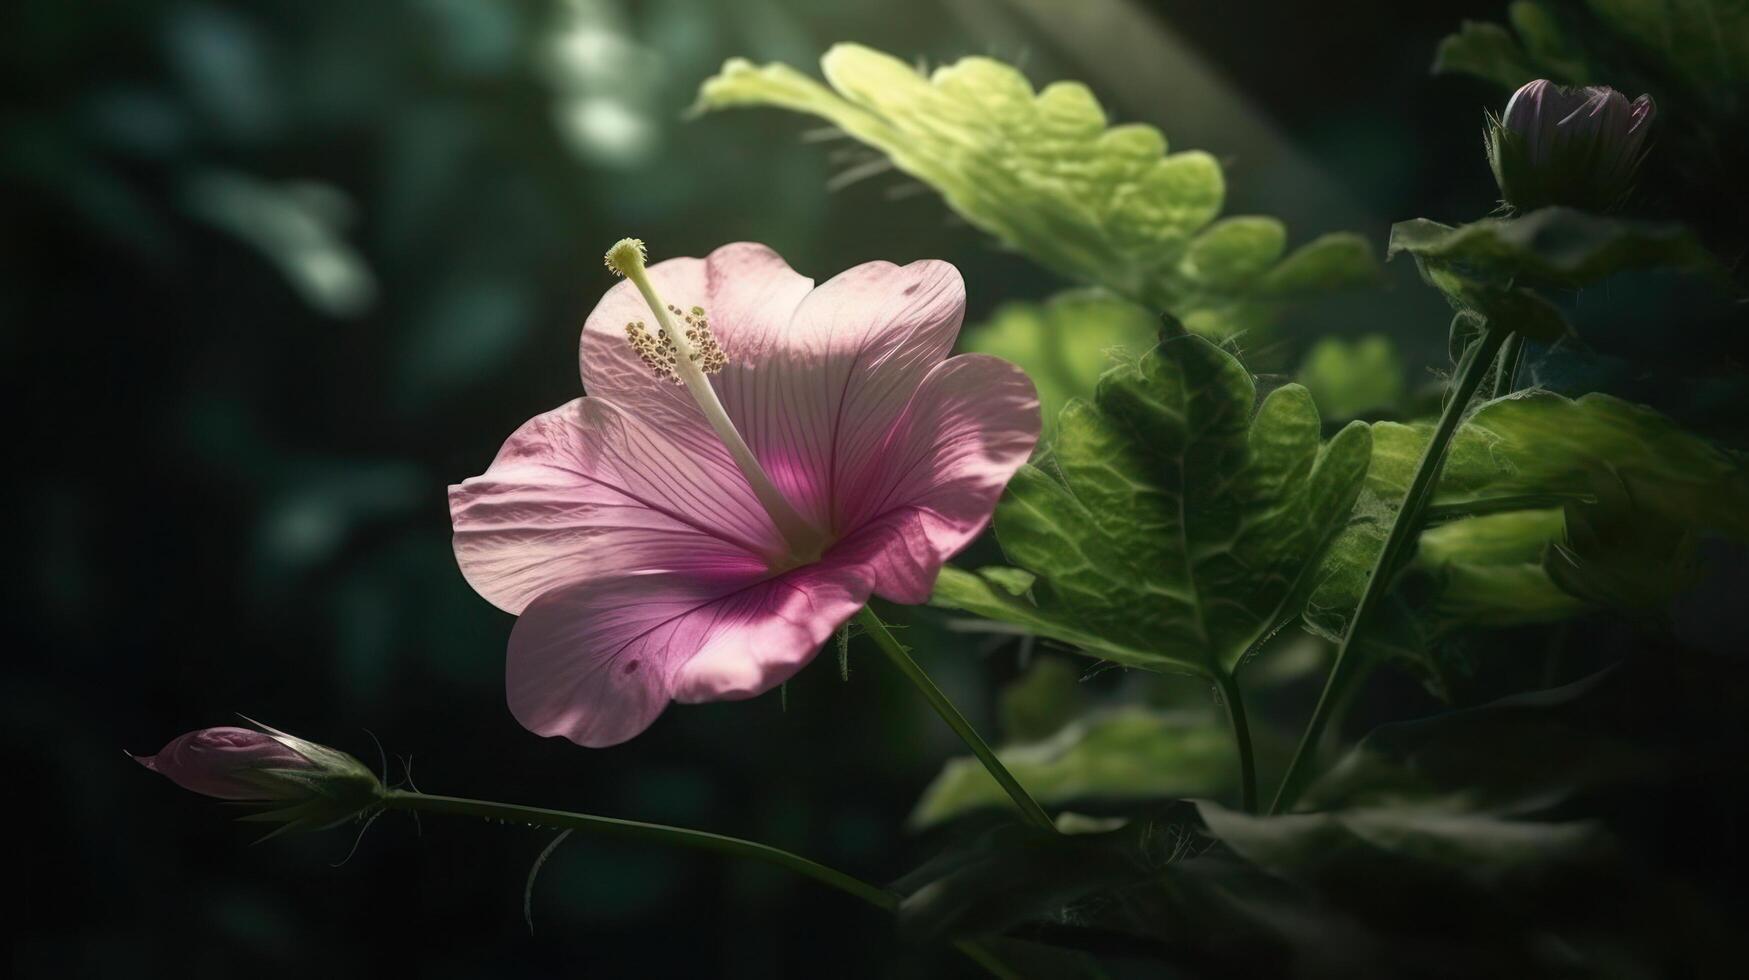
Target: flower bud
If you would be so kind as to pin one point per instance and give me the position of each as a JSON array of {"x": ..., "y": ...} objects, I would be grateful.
[
  {"x": 304, "y": 785},
  {"x": 1577, "y": 147}
]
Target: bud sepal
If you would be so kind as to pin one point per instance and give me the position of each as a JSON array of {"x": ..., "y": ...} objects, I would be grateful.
[{"x": 300, "y": 785}]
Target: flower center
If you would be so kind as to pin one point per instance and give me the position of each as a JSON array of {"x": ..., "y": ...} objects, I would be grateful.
[{"x": 685, "y": 357}]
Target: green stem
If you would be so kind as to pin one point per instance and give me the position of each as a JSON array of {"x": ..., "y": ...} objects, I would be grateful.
[
  {"x": 637, "y": 830},
  {"x": 895, "y": 652},
  {"x": 679, "y": 836},
  {"x": 1473, "y": 368},
  {"x": 1506, "y": 382},
  {"x": 1229, "y": 688}
]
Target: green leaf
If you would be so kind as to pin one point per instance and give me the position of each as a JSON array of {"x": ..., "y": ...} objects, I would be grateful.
[
  {"x": 1123, "y": 755},
  {"x": 1542, "y": 443},
  {"x": 1551, "y": 247},
  {"x": 988, "y": 883},
  {"x": 1350, "y": 378},
  {"x": 1704, "y": 42},
  {"x": 1489, "y": 571},
  {"x": 1042, "y": 701},
  {"x": 1173, "y": 530},
  {"x": 1527, "y": 451},
  {"x": 1540, "y": 49},
  {"x": 1065, "y": 343},
  {"x": 1613, "y": 553},
  {"x": 1045, "y": 174}
]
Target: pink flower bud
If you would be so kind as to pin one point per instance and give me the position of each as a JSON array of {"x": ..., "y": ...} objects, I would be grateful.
[
  {"x": 229, "y": 763},
  {"x": 301, "y": 785},
  {"x": 1578, "y": 147}
]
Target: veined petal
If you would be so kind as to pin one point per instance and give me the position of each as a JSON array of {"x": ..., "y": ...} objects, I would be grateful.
[
  {"x": 598, "y": 662},
  {"x": 570, "y": 498},
  {"x": 830, "y": 385},
  {"x": 747, "y": 291},
  {"x": 932, "y": 483}
]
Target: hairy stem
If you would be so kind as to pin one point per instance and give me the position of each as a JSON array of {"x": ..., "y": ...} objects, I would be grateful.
[
  {"x": 1229, "y": 689},
  {"x": 1471, "y": 371},
  {"x": 680, "y": 837},
  {"x": 895, "y": 652},
  {"x": 1506, "y": 381}
]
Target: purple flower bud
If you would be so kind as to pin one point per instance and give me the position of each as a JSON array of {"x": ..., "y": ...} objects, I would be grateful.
[
  {"x": 224, "y": 762},
  {"x": 1577, "y": 147},
  {"x": 305, "y": 785}
]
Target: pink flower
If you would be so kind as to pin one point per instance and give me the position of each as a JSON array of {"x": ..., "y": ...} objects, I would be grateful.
[
  {"x": 225, "y": 762},
  {"x": 699, "y": 541}
]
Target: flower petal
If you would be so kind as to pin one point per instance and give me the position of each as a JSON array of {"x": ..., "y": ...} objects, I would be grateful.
[
  {"x": 830, "y": 385},
  {"x": 591, "y": 662},
  {"x": 748, "y": 293},
  {"x": 598, "y": 662},
  {"x": 933, "y": 483},
  {"x": 768, "y": 632},
  {"x": 571, "y": 498}
]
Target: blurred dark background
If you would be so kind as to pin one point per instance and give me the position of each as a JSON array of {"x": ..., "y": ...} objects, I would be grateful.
[{"x": 276, "y": 273}]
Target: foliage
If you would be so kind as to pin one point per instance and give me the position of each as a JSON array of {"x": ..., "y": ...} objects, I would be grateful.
[
  {"x": 1699, "y": 43},
  {"x": 1120, "y": 755},
  {"x": 1045, "y": 174},
  {"x": 1555, "y": 246},
  {"x": 1352, "y": 378},
  {"x": 1511, "y": 467},
  {"x": 1449, "y": 846},
  {"x": 400, "y": 228},
  {"x": 1065, "y": 343},
  {"x": 1170, "y": 528}
]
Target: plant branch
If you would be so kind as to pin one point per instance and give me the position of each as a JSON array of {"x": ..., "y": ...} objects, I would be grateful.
[
  {"x": 880, "y": 898},
  {"x": 901, "y": 659},
  {"x": 638, "y": 830},
  {"x": 1235, "y": 704},
  {"x": 1471, "y": 371}
]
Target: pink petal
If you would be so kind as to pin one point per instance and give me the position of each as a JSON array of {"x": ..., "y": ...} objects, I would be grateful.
[
  {"x": 597, "y": 662},
  {"x": 934, "y": 481},
  {"x": 748, "y": 292},
  {"x": 811, "y": 374},
  {"x": 833, "y": 381},
  {"x": 571, "y": 498},
  {"x": 216, "y": 761}
]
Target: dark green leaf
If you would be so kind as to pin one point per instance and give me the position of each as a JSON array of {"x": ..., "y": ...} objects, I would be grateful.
[
  {"x": 1173, "y": 530},
  {"x": 1554, "y": 246}
]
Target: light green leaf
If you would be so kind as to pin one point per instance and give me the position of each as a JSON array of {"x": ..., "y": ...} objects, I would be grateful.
[
  {"x": 1065, "y": 343},
  {"x": 1349, "y": 378},
  {"x": 1533, "y": 448},
  {"x": 1173, "y": 530},
  {"x": 1542, "y": 443},
  {"x": 1124, "y": 755},
  {"x": 1488, "y": 571},
  {"x": 1044, "y": 173}
]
